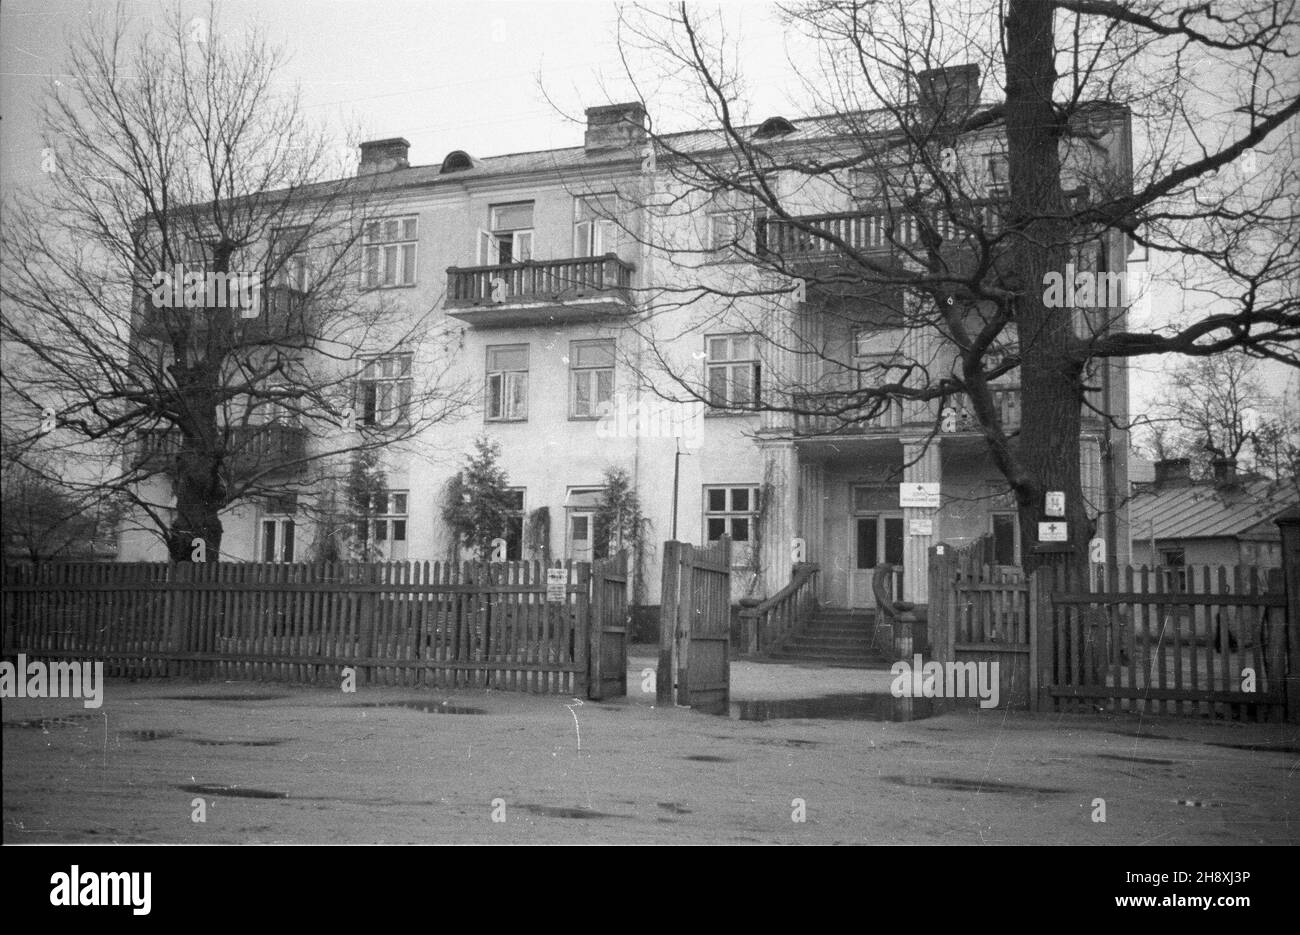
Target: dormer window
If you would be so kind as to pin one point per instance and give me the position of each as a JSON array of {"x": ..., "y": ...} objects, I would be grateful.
[
  {"x": 457, "y": 161},
  {"x": 773, "y": 127}
]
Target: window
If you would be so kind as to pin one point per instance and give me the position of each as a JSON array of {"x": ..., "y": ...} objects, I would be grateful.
[
  {"x": 591, "y": 378},
  {"x": 507, "y": 383},
  {"x": 289, "y": 258},
  {"x": 999, "y": 179},
  {"x": 734, "y": 371},
  {"x": 876, "y": 361},
  {"x": 1006, "y": 539},
  {"x": 731, "y": 511},
  {"x": 277, "y": 538},
  {"x": 509, "y": 238},
  {"x": 731, "y": 234},
  {"x": 595, "y": 230},
  {"x": 385, "y": 390},
  {"x": 390, "y": 252},
  {"x": 1174, "y": 562},
  {"x": 514, "y": 535},
  {"x": 277, "y": 528},
  {"x": 382, "y": 523}
]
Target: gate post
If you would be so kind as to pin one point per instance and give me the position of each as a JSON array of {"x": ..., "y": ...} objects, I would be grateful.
[
  {"x": 1041, "y": 622},
  {"x": 585, "y": 629},
  {"x": 1289, "y": 524},
  {"x": 668, "y": 601}
]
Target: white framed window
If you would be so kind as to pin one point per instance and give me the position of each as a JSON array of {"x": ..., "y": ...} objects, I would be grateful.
[
  {"x": 731, "y": 234},
  {"x": 382, "y": 523},
  {"x": 507, "y": 383},
  {"x": 290, "y": 257},
  {"x": 877, "y": 360},
  {"x": 595, "y": 228},
  {"x": 1005, "y": 529},
  {"x": 509, "y": 237},
  {"x": 390, "y": 255},
  {"x": 591, "y": 378},
  {"x": 734, "y": 370},
  {"x": 384, "y": 390},
  {"x": 731, "y": 510},
  {"x": 276, "y": 529}
]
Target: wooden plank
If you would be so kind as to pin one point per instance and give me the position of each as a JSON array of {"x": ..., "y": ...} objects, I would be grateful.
[{"x": 1162, "y": 599}]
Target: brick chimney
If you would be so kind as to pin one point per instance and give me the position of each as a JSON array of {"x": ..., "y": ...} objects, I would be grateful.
[
  {"x": 952, "y": 92},
  {"x": 1173, "y": 472},
  {"x": 383, "y": 156},
  {"x": 614, "y": 126},
  {"x": 1225, "y": 470}
]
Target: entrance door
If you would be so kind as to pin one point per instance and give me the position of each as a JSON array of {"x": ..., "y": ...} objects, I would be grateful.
[
  {"x": 874, "y": 539},
  {"x": 580, "y": 536}
]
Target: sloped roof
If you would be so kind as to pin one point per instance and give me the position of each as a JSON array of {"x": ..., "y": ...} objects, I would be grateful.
[
  {"x": 1205, "y": 511},
  {"x": 826, "y": 129}
]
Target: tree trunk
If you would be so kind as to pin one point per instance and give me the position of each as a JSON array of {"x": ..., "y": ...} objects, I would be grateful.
[{"x": 1049, "y": 373}]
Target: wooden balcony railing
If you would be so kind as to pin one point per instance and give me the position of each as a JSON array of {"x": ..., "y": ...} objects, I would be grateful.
[
  {"x": 769, "y": 623},
  {"x": 539, "y": 281},
  {"x": 280, "y": 312},
  {"x": 821, "y": 235},
  {"x": 272, "y": 448},
  {"x": 821, "y": 415}
]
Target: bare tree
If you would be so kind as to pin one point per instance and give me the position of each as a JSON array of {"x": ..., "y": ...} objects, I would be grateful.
[
  {"x": 971, "y": 215},
  {"x": 186, "y": 301},
  {"x": 1211, "y": 410}
]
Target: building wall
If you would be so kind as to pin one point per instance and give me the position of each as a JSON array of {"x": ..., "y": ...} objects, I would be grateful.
[{"x": 551, "y": 453}]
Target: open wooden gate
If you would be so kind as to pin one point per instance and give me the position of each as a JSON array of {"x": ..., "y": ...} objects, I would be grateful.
[
  {"x": 695, "y": 627},
  {"x": 608, "y": 628}
]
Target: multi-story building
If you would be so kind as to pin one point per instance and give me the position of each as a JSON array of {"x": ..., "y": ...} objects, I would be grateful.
[{"x": 558, "y": 273}]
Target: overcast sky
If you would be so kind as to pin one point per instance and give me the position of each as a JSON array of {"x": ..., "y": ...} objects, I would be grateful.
[{"x": 487, "y": 77}]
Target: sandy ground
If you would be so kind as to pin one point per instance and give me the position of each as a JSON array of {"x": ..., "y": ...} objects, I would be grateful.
[{"x": 355, "y": 768}]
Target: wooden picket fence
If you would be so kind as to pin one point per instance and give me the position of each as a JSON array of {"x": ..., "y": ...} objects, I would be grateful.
[
  {"x": 1195, "y": 640},
  {"x": 446, "y": 625},
  {"x": 1189, "y": 640}
]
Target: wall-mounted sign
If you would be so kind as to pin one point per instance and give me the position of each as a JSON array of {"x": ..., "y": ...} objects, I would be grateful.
[
  {"x": 1052, "y": 532},
  {"x": 920, "y": 527},
  {"x": 1055, "y": 503},
  {"x": 1097, "y": 551},
  {"x": 557, "y": 585},
  {"x": 919, "y": 495}
]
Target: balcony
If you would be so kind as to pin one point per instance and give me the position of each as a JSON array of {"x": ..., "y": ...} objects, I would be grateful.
[
  {"x": 540, "y": 291},
  {"x": 804, "y": 240},
  {"x": 280, "y": 317},
  {"x": 276, "y": 449},
  {"x": 960, "y": 420}
]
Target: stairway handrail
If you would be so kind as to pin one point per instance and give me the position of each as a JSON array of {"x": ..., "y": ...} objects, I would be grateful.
[{"x": 778, "y": 615}]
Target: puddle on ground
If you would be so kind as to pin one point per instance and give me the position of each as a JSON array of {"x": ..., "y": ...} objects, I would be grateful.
[
  {"x": 1288, "y": 748},
  {"x": 203, "y": 742},
  {"x": 147, "y": 735},
  {"x": 555, "y": 811},
  {"x": 237, "y": 792},
  {"x": 707, "y": 758},
  {"x": 262, "y": 697},
  {"x": 674, "y": 807},
  {"x": 49, "y": 723},
  {"x": 870, "y": 707},
  {"x": 955, "y": 784},
  {"x": 1136, "y": 759},
  {"x": 428, "y": 707}
]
